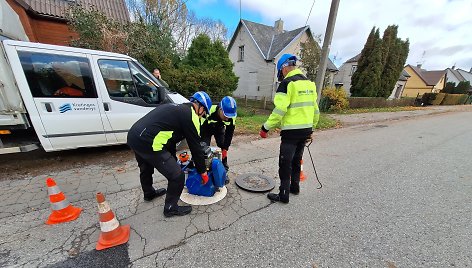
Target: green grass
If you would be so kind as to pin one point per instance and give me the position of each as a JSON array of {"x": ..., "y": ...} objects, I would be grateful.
[
  {"x": 376, "y": 110},
  {"x": 250, "y": 120}
]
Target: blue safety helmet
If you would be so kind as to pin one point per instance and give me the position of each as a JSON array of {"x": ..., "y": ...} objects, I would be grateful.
[
  {"x": 228, "y": 106},
  {"x": 284, "y": 61},
  {"x": 203, "y": 99}
]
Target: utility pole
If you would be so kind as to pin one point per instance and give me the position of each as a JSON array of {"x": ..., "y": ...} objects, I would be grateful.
[{"x": 326, "y": 46}]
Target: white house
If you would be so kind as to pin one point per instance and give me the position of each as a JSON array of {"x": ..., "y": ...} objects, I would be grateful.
[{"x": 255, "y": 49}]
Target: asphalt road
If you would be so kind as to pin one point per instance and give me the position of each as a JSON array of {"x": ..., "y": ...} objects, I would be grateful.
[{"x": 395, "y": 194}]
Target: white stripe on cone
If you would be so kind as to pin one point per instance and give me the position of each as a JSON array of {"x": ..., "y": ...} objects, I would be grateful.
[
  {"x": 103, "y": 207},
  {"x": 109, "y": 226}
]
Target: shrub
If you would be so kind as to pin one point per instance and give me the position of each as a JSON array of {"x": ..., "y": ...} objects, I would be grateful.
[
  {"x": 428, "y": 98},
  {"x": 334, "y": 99}
]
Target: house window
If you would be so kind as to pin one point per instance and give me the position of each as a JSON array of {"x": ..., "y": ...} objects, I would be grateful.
[
  {"x": 353, "y": 69},
  {"x": 241, "y": 53}
]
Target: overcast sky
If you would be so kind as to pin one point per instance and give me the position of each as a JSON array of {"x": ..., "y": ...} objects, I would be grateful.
[{"x": 440, "y": 31}]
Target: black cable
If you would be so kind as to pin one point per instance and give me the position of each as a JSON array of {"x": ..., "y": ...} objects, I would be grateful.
[{"x": 313, "y": 163}]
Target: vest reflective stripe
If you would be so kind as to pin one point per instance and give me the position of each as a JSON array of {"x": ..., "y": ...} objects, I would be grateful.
[
  {"x": 301, "y": 104},
  {"x": 161, "y": 138},
  {"x": 60, "y": 205},
  {"x": 297, "y": 126},
  {"x": 278, "y": 111}
]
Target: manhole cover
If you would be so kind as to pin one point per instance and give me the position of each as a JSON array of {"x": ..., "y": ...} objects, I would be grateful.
[
  {"x": 254, "y": 182},
  {"x": 203, "y": 200}
]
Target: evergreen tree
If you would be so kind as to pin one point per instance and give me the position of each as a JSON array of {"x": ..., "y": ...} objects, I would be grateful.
[
  {"x": 362, "y": 65},
  {"x": 462, "y": 88},
  {"x": 366, "y": 79}
]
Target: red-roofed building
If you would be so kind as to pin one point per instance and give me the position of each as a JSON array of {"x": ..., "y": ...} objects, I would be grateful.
[{"x": 44, "y": 21}]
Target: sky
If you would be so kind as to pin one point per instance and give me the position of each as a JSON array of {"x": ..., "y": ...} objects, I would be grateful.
[{"x": 440, "y": 31}]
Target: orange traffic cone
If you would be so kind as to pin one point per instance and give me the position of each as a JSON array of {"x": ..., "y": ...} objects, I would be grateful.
[
  {"x": 112, "y": 234},
  {"x": 62, "y": 211},
  {"x": 302, "y": 174}
]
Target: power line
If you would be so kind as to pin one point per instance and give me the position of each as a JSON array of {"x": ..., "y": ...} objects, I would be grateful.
[{"x": 310, "y": 12}]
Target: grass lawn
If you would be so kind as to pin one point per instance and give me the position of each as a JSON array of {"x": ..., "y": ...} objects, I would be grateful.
[{"x": 250, "y": 120}]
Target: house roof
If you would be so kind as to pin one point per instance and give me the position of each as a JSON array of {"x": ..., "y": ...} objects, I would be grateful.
[
  {"x": 354, "y": 59},
  {"x": 270, "y": 42},
  {"x": 115, "y": 9},
  {"x": 456, "y": 73},
  {"x": 404, "y": 75},
  {"x": 431, "y": 78}
]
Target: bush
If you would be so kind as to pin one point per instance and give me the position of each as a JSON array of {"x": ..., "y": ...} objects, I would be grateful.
[
  {"x": 333, "y": 99},
  {"x": 428, "y": 98}
]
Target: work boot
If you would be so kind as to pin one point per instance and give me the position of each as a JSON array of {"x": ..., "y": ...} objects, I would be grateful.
[
  {"x": 176, "y": 210},
  {"x": 156, "y": 193},
  {"x": 277, "y": 198},
  {"x": 294, "y": 189}
]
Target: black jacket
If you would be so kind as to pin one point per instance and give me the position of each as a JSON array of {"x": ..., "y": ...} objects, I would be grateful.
[{"x": 176, "y": 121}]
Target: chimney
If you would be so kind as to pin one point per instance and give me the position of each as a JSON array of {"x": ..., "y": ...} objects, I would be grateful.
[
  {"x": 419, "y": 65},
  {"x": 453, "y": 67},
  {"x": 279, "y": 26}
]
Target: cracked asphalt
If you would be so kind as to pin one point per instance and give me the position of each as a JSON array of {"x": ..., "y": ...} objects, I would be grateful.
[{"x": 394, "y": 195}]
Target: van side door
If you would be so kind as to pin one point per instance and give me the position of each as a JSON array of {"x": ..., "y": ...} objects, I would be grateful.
[
  {"x": 127, "y": 91},
  {"x": 60, "y": 95}
]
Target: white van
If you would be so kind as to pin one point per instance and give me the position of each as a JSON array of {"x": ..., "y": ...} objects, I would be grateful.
[{"x": 73, "y": 97}]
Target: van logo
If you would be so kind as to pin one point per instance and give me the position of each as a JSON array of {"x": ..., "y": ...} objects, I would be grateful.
[{"x": 65, "y": 107}]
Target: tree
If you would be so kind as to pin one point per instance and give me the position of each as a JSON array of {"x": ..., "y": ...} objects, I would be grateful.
[
  {"x": 358, "y": 76},
  {"x": 310, "y": 58},
  {"x": 462, "y": 88},
  {"x": 366, "y": 79},
  {"x": 449, "y": 87},
  {"x": 206, "y": 67},
  {"x": 387, "y": 55}
]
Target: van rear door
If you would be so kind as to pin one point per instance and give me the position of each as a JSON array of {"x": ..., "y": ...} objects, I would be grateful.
[{"x": 60, "y": 95}]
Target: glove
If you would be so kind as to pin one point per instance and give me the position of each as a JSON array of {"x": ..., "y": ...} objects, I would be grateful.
[
  {"x": 224, "y": 153},
  {"x": 263, "y": 132},
  {"x": 204, "y": 178}
]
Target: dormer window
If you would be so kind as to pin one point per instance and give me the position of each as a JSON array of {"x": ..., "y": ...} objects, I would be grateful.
[{"x": 241, "y": 53}]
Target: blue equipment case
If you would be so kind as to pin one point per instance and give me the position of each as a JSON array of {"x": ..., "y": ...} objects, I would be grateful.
[{"x": 217, "y": 177}]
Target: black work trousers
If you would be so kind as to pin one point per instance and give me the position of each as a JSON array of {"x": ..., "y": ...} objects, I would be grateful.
[
  {"x": 167, "y": 165},
  {"x": 291, "y": 153}
]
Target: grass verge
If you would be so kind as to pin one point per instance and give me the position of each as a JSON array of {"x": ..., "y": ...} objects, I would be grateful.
[{"x": 250, "y": 120}]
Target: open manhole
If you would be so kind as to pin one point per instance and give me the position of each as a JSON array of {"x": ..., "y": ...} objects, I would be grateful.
[{"x": 254, "y": 182}]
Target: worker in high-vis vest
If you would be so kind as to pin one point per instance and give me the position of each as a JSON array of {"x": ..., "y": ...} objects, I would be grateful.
[
  {"x": 153, "y": 139},
  {"x": 296, "y": 113},
  {"x": 221, "y": 123}
]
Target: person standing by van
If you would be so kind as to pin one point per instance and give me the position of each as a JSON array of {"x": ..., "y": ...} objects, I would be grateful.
[
  {"x": 157, "y": 74},
  {"x": 153, "y": 139},
  {"x": 221, "y": 124}
]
